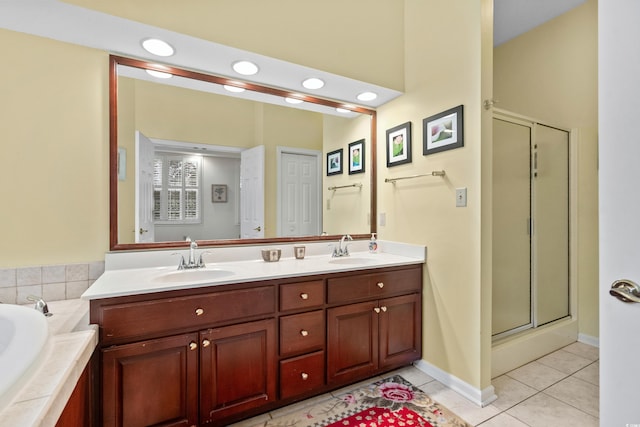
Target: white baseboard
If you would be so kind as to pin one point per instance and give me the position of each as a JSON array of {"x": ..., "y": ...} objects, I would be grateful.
[
  {"x": 481, "y": 398},
  {"x": 588, "y": 339}
]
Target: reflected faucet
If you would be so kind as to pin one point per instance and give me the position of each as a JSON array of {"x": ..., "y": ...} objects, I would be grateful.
[{"x": 342, "y": 249}]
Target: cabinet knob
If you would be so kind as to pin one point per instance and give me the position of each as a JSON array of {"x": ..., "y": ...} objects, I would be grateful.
[
  {"x": 304, "y": 376},
  {"x": 377, "y": 310},
  {"x": 193, "y": 345},
  {"x": 206, "y": 343},
  {"x": 199, "y": 311},
  {"x": 304, "y": 333},
  {"x": 383, "y": 308},
  {"x": 380, "y": 285},
  {"x": 304, "y": 295}
]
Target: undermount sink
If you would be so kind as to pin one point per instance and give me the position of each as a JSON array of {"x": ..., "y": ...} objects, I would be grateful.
[
  {"x": 351, "y": 260},
  {"x": 191, "y": 276},
  {"x": 24, "y": 333}
]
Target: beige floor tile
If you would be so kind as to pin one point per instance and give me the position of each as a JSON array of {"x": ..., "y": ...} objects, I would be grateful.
[
  {"x": 459, "y": 405},
  {"x": 536, "y": 375},
  {"x": 590, "y": 373},
  {"x": 542, "y": 410},
  {"x": 503, "y": 420},
  {"x": 510, "y": 392},
  {"x": 577, "y": 393},
  {"x": 585, "y": 350},
  {"x": 412, "y": 374},
  {"x": 348, "y": 389},
  {"x": 258, "y": 421},
  {"x": 564, "y": 361}
]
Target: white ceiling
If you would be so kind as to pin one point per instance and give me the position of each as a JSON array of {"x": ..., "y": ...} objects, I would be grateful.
[
  {"x": 69, "y": 23},
  {"x": 514, "y": 17}
]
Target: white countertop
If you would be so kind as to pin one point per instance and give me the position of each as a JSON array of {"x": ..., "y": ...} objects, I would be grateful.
[
  {"x": 242, "y": 267},
  {"x": 41, "y": 400}
]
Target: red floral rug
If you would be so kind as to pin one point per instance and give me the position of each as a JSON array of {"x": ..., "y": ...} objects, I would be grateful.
[{"x": 392, "y": 402}]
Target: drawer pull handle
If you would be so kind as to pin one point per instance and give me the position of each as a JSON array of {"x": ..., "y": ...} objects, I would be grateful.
[
  {"x": 193, "y": 345},
  {"x": 304, "y": 296},
  {"x": 206, "y": 343},
  {"x": 377, "y": 310},
  {"x": 383, "y": 308},
  {"x": 304, "y": 376},
  {"x": 304, "y": 333},
  {"x": 199, "y": 311},
  {"x": 380, "y": 285}
]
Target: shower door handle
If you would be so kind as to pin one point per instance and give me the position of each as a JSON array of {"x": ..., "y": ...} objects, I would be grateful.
[{"x": 625, "y": 290}]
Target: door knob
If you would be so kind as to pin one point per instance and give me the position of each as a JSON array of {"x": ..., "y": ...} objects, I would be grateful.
[
  {"x": 142, "y": 230},
  {"x": 625, "y": 290},
  {"x": 258, "y": 228}
]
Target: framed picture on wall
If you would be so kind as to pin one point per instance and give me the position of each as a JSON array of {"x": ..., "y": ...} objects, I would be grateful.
[
  {"x": 218, "y": 193},
  {"x": 399, "y": 145},
  {"x": 443, "y": 131},
  {"x": 356, "y": 157},
  {"x": 334, "y": 162}
]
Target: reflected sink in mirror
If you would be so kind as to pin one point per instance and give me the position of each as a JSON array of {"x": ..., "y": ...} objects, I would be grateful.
[
  {"x": 351, "y": 261},
  {"x": 192, "y": 276},
  {"x": 24, "y": 333}
]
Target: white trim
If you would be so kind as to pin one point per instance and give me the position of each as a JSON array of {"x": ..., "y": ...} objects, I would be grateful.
[
  {"x": 481, "y": 398},
  {"x": 589, "y": 339}
]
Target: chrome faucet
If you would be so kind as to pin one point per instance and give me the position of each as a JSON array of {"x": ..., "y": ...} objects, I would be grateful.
[
  {"x": 192, "y": 257},
  {"x": 342, "y": 249},
  {"x": 41, "y": 305}
]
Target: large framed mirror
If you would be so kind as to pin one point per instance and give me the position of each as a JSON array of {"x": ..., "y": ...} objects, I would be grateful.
[{"x": 190, "y": 159}]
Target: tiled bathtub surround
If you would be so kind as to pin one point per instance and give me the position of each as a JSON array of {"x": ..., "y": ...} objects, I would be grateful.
[{"x": 51, "y": 282}]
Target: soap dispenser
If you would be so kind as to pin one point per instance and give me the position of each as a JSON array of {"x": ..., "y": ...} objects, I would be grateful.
[{"x": 373, "y": 244}]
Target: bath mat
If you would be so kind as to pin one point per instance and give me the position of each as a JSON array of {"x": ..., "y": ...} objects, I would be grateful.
[{"x": 391, "y": 402}]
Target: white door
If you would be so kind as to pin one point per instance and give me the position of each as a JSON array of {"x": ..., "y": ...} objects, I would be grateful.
[
  {"x": 252, "y": 193},
  {"x": 299, "y": 213},
  {"x": 144, "y": 230},
  {"x": 619, "y": 177}
]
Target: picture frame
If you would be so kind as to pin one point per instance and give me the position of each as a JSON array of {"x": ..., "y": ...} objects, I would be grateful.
[
  {"x": 443, "y": 131},
  {"x": 219, "y": 193},
  {"x": 356, "y": 157},
  {"x": 334, "y": 162},
  {"x": 399, "y": 145}
]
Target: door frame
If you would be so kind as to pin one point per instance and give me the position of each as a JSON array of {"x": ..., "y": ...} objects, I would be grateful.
[
  {"x": 280, "y": 150},
  {"x": 521, "y": 348}
]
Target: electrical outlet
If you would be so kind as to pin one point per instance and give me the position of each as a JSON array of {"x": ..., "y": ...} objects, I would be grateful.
[{"x": 461, "y": 197}]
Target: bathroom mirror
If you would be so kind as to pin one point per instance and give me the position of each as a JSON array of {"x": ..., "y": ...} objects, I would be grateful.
[{"x": 192, "y": 127}]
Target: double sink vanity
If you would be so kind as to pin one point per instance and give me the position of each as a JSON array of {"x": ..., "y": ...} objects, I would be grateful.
[{"x": 241, "y": 336}]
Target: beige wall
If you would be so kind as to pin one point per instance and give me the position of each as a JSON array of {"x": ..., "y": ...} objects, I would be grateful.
[
  {"x": 54, "y": 139},
  {"x": 550, "y": 74}
]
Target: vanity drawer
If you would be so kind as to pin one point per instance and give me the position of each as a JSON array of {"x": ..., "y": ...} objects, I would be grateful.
[
  {"x": 301, "y": 333},
  {"x": 373, "y": 285},
  {"x": 120, "y": 322},
  {"x": 301, "y": 374},
  {"x": 295, "y": 296}
]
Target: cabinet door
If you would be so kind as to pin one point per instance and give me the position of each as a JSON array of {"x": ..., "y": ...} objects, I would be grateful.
[
  {"x": 238, "y": 369},
  {"x": 151, "y": 382},
  {"x": 400, "y": 330},
  {"x": 352, "y": 342}
]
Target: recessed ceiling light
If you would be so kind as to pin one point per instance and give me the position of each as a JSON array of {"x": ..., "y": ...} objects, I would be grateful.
[
  {"x": 246, "y": 68},
  {"x": 342, "y": 110},
  {"x": 294, "y": 100},
  {"x": 313, "y": 83},
  {"x": 158, "y": 47},
  {"x": 159, "y": 74},
  {"x": 367, "y": 96},
  {"x": 234, "y": 89}
]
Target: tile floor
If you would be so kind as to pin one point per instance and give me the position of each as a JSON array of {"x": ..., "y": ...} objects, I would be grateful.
[{"x": 559, "y": 389}]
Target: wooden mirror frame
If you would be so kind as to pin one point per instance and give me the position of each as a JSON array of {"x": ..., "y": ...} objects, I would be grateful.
[{"x": 114, "y": 61}]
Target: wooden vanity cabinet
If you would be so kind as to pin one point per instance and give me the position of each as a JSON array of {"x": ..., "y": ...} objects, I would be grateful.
[
  {"x": 364, "y": 338},
  {"x": 219, "y": 354}
]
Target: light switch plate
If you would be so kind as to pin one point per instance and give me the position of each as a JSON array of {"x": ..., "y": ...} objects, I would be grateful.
[{"x": 461, "y": 197}]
